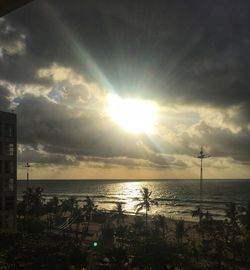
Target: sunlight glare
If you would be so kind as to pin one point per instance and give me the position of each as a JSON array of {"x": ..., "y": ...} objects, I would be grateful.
[{"x": 133, "y": 115}]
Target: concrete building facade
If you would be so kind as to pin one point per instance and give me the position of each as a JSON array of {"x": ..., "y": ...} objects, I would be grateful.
[{"x": 8, "y": 170}]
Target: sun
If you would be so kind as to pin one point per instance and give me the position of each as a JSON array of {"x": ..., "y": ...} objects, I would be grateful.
[{"x": 133, "y": 115}]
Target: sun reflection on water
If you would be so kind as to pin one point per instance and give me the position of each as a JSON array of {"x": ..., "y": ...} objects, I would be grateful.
[{"x": 129, "y": 194}]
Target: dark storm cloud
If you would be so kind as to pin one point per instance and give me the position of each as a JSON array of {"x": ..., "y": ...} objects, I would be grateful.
[
  {"x": 223, "y": 142},
  {"x": 175, "y": 52},
  {"x": 62, "y": 131},
  {"x": 132, "y": 163},
  {"x": 43, "y": 158},
  {"x": 11, "y": 42},
  {"x": 182, "y": 51},
  {"x": 242, "y": 115}
]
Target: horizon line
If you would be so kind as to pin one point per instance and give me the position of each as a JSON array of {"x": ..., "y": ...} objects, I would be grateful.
[{"x": 127, "y": 179}]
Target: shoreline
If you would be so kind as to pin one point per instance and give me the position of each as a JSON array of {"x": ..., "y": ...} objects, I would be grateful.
[{"x": 176, "y": 200}]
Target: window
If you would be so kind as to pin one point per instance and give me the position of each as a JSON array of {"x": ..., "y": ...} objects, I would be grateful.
[
  {"x": 9, "y": 166},
  {"x": 9, "y": 149},
  {"x": 9, "y": 130},
  {"x": 9, "y": 184},
  {"x": 9, "y": 203}
]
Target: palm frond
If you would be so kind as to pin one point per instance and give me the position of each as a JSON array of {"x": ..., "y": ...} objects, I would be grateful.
[{"x": 139, "y": 208}]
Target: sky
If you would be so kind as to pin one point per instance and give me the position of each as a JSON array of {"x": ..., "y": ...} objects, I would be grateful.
[{"x": 60, "y": 61}]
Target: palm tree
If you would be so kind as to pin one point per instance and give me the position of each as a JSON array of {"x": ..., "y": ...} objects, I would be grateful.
[
  {"x": 160, "y": 222},
  {"x": 232, "y": 213},
  {"x": 52, "y": 205},
  {"x": 51, "y": 209},
  {"x": 180, "y": 231},
  {"x": 69, "y": 205},
  {"x": 119, "y": 214},
  {"x": 32, "y": 202},
  {"x": 146, "y": 203},
  {"x": 89, "y": 208},
  {"x": 77, "y": 219},
  {"x": 234, "y": 229},
  {"x": 138, "y": 224}
]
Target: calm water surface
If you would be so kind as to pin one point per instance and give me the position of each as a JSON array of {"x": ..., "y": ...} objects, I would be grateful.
[{"x": 176, "y": 198}]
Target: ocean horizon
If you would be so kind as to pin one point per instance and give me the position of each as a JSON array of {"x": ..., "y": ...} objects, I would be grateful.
[{"x": 130, "y": 179}]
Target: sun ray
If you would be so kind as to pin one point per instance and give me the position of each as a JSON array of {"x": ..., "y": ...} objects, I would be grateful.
[{"x": 133, "y": 115}]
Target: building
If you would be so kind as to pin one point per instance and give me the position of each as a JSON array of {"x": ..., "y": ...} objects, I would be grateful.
[
  {"x": 7, "y": 6},
  {"x": 8, "y": 170}
]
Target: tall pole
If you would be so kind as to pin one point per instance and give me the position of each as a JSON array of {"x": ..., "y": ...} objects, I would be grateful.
[
  {"x": 201, "y": 157},
  {"x": 201, "y": 180},
  {"x": 27, "y": 166}
]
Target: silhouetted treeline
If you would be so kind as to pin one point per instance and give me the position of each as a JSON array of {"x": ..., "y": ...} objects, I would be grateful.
[{"x": 58, "y": 234}]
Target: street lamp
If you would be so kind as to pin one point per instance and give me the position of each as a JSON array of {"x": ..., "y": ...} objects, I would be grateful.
[
  {"x": 27, "y": 166},
  {"x": 201, "y": 156}
]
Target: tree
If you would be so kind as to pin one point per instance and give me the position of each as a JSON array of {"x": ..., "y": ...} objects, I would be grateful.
[
  {"x": 32, "y": 203},
  {"x": 157, "y": 254},
  {"x": 138, "y": 224},
  {"x": 214, "y": 242},
  {"x": 51, "y": 208},
  {"x": 118, "y": 257},
  {"x": 160, "y": 223},
  {"x": 146, "y": 203},
  {"x": 232, "y": 213},
  {"x": 89, "y": 208},
  {"x": 180, "y": 230},
  {"x": 52, "y": 205},
  {"x": 69, "y": 205},
  {"x": 233, "y": 230},
  {"x": 119, "y": 214},
  {"x": 40, "y": 251}
]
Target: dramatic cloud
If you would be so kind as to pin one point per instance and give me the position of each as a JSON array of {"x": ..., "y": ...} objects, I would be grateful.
[
  {"x": 57, "y": 128},
  {"x": 59, "y": 61},
  {"x": 181, "y": 51},
  {"x": 11, "y": 42},
  {"x": 224, "y": 143},
  {"x": 41, "y": 158}
]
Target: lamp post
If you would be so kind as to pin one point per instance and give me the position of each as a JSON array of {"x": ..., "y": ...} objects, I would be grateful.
[
  {"x": 201, "y": 156},
  {"x": 27, "y": 166}
]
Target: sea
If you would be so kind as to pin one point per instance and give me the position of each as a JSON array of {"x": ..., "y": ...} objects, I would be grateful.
[{"x": 175, "y": 198}]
